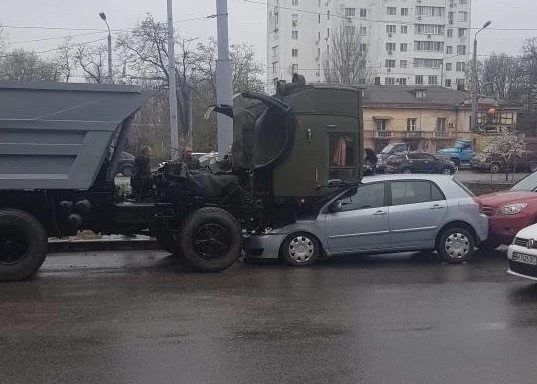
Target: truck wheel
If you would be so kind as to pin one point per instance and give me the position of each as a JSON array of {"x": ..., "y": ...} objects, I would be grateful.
[
  {"x": 456, "y": 161},
  {"x": 211, "y": 239},
  {"x": 23, "y": 245},
  {"x": 533, "y": 167},
  {"x": 495, "y": 168}
]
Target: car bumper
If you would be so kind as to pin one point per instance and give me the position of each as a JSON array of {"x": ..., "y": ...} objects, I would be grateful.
[
  {"x": 505, "y": 228},
  {"x": 527, "y": 271},
  {"x": 264, "y": 246},
  {"x": 482, "y": 229}
]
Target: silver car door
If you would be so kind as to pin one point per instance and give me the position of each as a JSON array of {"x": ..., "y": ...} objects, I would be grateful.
[
  {"x": 360, "y": 220},
  {"x": 417, "y": 209}
]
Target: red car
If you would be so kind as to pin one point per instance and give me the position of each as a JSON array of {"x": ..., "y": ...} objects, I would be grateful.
[{"x": 510, "y": 211}]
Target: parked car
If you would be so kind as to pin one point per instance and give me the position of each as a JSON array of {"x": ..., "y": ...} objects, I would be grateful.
[
  {"x": 385, "y": 214},
  {"x": 419, "y": 162},
  {"x": 390, "y": 149},
  {"x": 497, "y": 163},
  {"x": 126, "y": 164},
  {"x": 461, "y": 153},
  {"x": 522, "y": 253},
  {"x": 510, "y": 211}
]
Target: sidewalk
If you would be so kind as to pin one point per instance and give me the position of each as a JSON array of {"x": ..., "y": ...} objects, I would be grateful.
[{"x": 103, "y": 243}]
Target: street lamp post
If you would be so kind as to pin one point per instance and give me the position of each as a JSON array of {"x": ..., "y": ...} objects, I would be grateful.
[
  {"x": 474, "y": 79},
  {"x": 110, "y": 76}
]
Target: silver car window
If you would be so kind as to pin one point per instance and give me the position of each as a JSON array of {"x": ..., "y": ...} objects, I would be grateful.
[
  {"x": 414, "y": 192},
  {"x": 363, "y": 197}
]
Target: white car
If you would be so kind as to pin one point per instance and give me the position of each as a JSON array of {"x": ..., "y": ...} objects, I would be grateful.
[{"x": 522, "y": 254}]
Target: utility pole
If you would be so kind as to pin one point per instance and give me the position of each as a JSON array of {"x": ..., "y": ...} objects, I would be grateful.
[
  {"x": 473, "y": 126},
  {"x": 172, "y": 99},
  {"x": 224, "y": 87},
  {"x": 110, "y": 75}
]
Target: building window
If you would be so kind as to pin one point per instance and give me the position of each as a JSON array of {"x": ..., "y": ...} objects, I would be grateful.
[
  {"x": 463, "y": 32},
  {"x": 463, "y": 16},
  {"x": 404, "y": 29},
  {"x": 350, "y": 12},
  {"x": 363, "y": 48},
  {"x": 429, "y": 29},
  {"x": 428, "y": 63},
  {"x": 274, "y": 67},
  {"x": 390, "y": 63},
  {"x": 430, "y": 46},
  {"x": 328, "y": 32},
  {"x": 421, "y": 94},
  {"x": 450, "y": 32},
  {"x": 319, "y": 18},
  {"x": 294, "y": 35},
  {"x": 461, "y": 83},
  {"x": 382, "y": 125},
  {"x": 449, "y": 49},
  {"x": 401, "y": 81},
  {"x": 391, "y": 29},
  {"x": 350, "y": 30},
  {"x": 294, "y": 68},
  {"x": 404, "y": 11},
  {"x": 294, "y": 2},
  {"x": 328, "y": 15},
  {"x": 441, "y": 124},
  {"x": 411, "y": 124},
  {"x": 433, "y": 80},
  {"x": 419, "y": 80},
  {"x": 391, "y": 11},
  {"x": 390, "y": 47},
  {"x": 463, "y": 1},
  {"x": 461, "y": 49},
  {"x": 461, "y": 66},
  {"x": 448, "y": 83},
  {"x": 403, "y": 47},
  {"x": 449, "y": 67},
  {"x": 363, "y": 31},
  {"x": 403, "y": 63},
  {"x": 430, "y": 11},
  {"x": 451, "y": 16},
  {"x": 294, "y": 52},
  {"x": 363, "y": 13},
  {"x": 389, "y": 80}
]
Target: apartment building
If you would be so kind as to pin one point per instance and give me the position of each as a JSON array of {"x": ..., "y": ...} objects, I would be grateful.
[{"x": 404, "y": 42}]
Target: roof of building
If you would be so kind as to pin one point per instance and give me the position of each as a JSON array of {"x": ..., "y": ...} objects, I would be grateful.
[{"x": 406, "y": 95}]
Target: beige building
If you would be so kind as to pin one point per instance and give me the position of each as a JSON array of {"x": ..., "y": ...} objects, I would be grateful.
[{"x": 428, "y": 117}]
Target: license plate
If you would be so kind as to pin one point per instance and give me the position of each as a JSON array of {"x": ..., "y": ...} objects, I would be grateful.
[{"x": 526, "y": 259}]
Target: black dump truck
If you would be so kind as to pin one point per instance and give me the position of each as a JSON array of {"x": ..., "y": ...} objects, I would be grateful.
[{"x": 60, "y": 146}]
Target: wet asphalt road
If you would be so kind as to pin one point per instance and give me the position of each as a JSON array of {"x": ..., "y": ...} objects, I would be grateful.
[{"x": 138, "y": 317}]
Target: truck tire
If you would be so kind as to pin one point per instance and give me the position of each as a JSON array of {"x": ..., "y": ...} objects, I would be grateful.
[
  {"x": 23, "y": 245},
  {"x": 126, "y": 170},
  {"x": 456, "y": 161},
  {"x": 211, "y": 239}
]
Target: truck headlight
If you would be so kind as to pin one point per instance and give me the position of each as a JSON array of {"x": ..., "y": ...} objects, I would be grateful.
[{"x": 511, "y": 209}]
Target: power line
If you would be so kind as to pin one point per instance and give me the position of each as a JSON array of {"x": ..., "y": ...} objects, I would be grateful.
[
  {"x": 296, "y": 9},
  {"x": 59, "y": 48}
]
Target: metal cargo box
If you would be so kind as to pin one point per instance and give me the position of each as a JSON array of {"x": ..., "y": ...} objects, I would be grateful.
[{"x": 56, "y": 136}]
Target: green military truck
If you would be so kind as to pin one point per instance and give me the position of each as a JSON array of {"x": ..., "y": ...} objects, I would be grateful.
[{"x": 60, "y": 146}]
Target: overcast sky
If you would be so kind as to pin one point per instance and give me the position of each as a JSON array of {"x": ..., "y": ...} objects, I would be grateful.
[{"x": 247, "y": 20}]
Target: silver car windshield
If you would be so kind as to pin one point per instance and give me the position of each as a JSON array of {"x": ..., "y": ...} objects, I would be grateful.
[{"x": 527, "y": 184}]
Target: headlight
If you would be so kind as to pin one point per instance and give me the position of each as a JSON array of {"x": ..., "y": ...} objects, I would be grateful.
[{"x": 511, "y": 209}]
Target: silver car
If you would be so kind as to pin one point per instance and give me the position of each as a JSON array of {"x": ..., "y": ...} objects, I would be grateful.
[{"x": 385, "y": 214}]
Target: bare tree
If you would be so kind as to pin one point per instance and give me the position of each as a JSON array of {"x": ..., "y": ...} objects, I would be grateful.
[
  {"x": 21, "y": 65},
  {"x": 92, "y": 60},
  {"x": 500, "y": 76},
  {"x": 346, "y": 61},
  {"x": 65, "y": 59}
]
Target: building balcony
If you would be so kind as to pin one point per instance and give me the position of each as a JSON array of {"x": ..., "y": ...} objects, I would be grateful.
[
  {"x": 442, "y": 135},
  {"x": 413, "y": 135},
  {"x": 382, "y": 135}
]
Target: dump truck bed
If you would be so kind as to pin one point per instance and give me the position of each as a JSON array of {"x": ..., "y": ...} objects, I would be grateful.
[{"x": 57, "y": 136}]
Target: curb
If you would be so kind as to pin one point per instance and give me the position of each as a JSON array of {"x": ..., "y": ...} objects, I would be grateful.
[{"x": 56, "y": 246}]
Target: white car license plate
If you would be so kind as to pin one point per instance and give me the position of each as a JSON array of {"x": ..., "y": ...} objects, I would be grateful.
[{"x": 526, "y": 259}]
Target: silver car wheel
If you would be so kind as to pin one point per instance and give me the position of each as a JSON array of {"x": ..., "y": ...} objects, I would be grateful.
[
  {"x": 446, "y": 171},
  {"x": 457, "y": 245},
  {"x": 301, "y": 249}
]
